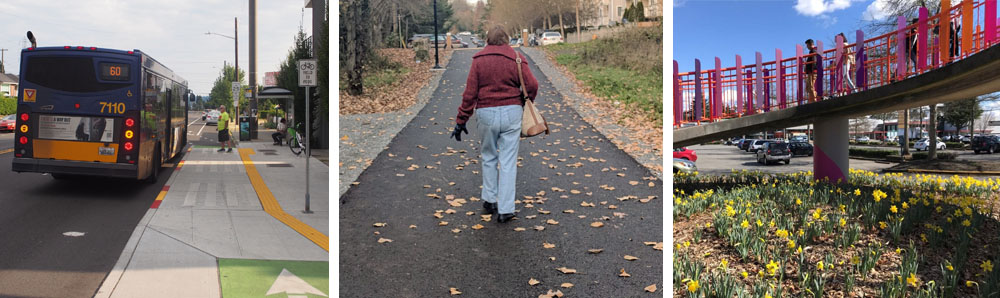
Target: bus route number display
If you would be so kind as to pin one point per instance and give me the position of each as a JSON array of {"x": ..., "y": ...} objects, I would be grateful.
[{"x": 114, "y": 71}]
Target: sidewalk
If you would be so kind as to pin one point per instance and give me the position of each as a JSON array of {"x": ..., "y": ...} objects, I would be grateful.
[
  {"x": 412, "y": 226},
  {"x": 230, "y": 224}
]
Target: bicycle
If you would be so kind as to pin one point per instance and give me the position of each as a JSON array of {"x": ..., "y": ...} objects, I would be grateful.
[{"x": 296, "y": 142}]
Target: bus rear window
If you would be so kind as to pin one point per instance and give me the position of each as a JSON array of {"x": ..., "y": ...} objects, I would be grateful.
[{"x": 70, "y": 74}]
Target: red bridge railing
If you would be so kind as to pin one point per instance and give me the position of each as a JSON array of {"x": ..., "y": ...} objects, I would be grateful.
[{"x": 711, "y": 93}]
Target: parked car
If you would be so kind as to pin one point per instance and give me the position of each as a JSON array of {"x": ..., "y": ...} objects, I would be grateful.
[
  {"x": 757, "y": 145},
  {"x": 684, "y": 166},
  {"x": 862, "y": 139},
  {"x": 800, "y": 148},
  {"x": 966, "y": 139},
  {"x": 987, "y": 144},
  {"x": 774, "y": 152},
  {"x": 745, "y": 145},
  {"x": 415, "y": 37},
  {"x": 685, "y": 153},
  {"x": 551, "y": 37},
  {"x": 212, "y": 118},
  {"x": 515, "y": 41},
  {"x": 924, "y": 144},
  {"x": 799, "y": 139},
  {"x": 7, "y": 123}
]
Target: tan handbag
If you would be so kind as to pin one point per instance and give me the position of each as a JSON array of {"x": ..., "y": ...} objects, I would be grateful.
[{"x": 532, "y": 123}]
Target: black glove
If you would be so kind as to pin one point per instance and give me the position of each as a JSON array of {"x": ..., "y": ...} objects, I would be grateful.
[{"x": 457, "y": 133}]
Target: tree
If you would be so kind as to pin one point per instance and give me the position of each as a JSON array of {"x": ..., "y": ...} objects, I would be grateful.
[
  {"x": 932, "y": 136},
  {"x": 884, "y": 117},
  {"x": 222, "y": 92},
  {"x": 355, "y": 42},
  {"x": 961, "y": 112}
]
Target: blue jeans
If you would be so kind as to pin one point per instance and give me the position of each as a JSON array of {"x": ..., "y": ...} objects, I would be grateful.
[{"x": 500, "y": 128}]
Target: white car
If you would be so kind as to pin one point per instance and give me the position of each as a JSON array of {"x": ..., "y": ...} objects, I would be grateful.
[
  {"x": 922, "y": 144},
  {"x": 551, "y": 38},
  {"x": 212, "y": 118},
  {"x": 757, "y": 145},
  {"x": 863, "y": 139}
]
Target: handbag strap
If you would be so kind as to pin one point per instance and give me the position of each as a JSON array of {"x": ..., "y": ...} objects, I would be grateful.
[{"x": 520, "y": 77}]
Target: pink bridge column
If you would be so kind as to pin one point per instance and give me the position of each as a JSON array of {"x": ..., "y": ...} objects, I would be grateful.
[{"x": 830, "y": 159}]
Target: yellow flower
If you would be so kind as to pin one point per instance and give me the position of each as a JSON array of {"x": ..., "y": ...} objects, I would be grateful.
[
  {"x": 857, "y": 192},
  {"x": 938, "y": 209},
  {"x": 842, "y": 222},
  {"x": 912, "y": 280},
  {"x": 966, "y": 223},
  {"x": 791, "y": 243},
  {"x": 730, "y": 211},
  {"x": 798, "y": 202},
  {"x": 899, "y": 250},
  {"x": 969, "y": 283},
  {"x": 855, "y": 260},
  {"x": 724, "y": 263},
  {"x": 687, "y": 243},
  {"x": 708, "y": 225},
  {"x": 798, "y": 250},
  {"x": 819, "y": 265},
  {"x": 843, "y": 209},
  {"x": 772, "y": 267},
  {"x": 987, "y": 266},
  {"x": 759, "y": 223},
  {"x": 816, "y": 214},
  {"x": 693, "y": 286},
  {"x": 882, "y": 225},
  {"x": 781, "y": 233},
  {"x": 967, "y": 211},
  {"x": 950, "y": 268},
  {"x": 768, "y": 295},
  {"x": 923, "y": 237},
  {"x": 893, "y": 209},
  {"x": 744, "y": 274},
  {"x": 745, "y": 224},
  {"x": 905, "y": 206}
]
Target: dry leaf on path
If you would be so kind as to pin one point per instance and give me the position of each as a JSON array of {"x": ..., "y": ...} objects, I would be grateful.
[
  {"x": 551, "y": 222},
  {"x": 456, "y": 231},
  {"x": 477, "y": 227},
  {"x": 566, "y": 285},
  {"x": 454, "y": 291},
  {"x": 548, "y": 245},
  {"x": 585, "y": 204},
  {"x": 384, "y": 240},
  {"x": 633, "y": 183},
  {"x": 413, "y": 226},
  {"x": 624, "y": 274},
  {"x": 630, "y": 258},
  {"x": 379, "y": 224},
  {"x": 487, "y": 217},
  {"x": 570, "y": 211},
  {"x": 595, "y": 250},
  {"x": 551, "y": 294},
  {"x": 597, "y": 224},
  {"x": 443, "y": 223},
  {"x": 565, "y": 270},
  {"x": 651, "y": 288},
  {"x": 519, "y": 229},
  {"x": 533, "y": 282},
  {"x": 539, "y": 228}
]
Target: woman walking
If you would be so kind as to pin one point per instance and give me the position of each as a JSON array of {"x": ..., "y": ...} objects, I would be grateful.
[
  {"x": 847, "y": 66},
  {"x": 493, "y": 92}
]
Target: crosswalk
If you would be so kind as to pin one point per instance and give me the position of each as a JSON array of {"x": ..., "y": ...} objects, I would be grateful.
[{"x": 220, "y": 194}]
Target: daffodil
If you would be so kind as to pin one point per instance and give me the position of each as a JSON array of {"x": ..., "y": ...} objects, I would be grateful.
[
  {"x": 819, "y": 265},
  {"x": 745, "y": 224},
  {"x": 987, "y": 266},
  {"x": 744, "y": 274},
  {"x": 912, "y": 280},
  {"x": 893, "y": 209},
  {"x": 772, "y": 267},
  {"x": 791, "y": 243},
  {"x": 693, "y": 286},
  {"x": 966, "y": 223},
  {"x": 843, "y": 222},
  {"x": 724, "y": 264}
]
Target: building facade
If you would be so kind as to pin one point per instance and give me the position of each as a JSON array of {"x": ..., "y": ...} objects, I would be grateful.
[{"x": 8, "y": 85}]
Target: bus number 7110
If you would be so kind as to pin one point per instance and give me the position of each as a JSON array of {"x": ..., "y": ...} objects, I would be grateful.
[{"x": 112, "y": 107}]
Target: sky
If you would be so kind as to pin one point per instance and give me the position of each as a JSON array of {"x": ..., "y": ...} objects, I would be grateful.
[
  {"x": 172, "y": 32},
  {"x": 705, "y": 29}
]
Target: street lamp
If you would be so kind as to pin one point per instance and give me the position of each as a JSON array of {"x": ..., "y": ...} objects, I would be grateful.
[{"x": 236, "y": 63}]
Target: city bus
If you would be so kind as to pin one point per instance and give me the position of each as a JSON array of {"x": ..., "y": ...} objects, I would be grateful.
[{"x": 97, "y": 112}]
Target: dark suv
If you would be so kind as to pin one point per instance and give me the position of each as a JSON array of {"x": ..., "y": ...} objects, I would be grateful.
[
  {"x": 987, "y": 144},
  {"x": 774, "y": 152},
  {"x": 801, "y": 148}
]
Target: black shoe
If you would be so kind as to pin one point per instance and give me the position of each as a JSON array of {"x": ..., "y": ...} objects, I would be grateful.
[
  {"x": 502, "y": 218},
  {"x": 221, "y": 149},
  {"x": 229, "y": 150},
  {"x": 489, "y": 208}
]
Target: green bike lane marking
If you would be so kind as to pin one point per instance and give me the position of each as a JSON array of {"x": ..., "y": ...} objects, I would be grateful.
[{"x": 273, "y": 278}]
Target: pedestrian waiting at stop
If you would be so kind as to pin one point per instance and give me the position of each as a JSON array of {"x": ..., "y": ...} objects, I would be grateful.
[
  {"x": 279, "y": 135},
  {"x": 223, "y": 125},
  {"x": 492, "y": 92}
]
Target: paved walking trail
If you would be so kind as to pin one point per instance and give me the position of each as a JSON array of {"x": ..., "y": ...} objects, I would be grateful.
[{"x": 424, "y": 188}]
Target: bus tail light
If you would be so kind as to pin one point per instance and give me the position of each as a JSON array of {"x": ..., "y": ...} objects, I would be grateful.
[
  {"x": 129, "y": 146},
  {"x": 23, "y": 140},
  {"x": 24, "y": 116},
  {"x": 129, "y": 134},
  {"x": 129, "y": 122}
]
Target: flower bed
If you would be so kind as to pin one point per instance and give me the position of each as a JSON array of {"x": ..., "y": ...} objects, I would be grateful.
[{"x": 751, "y": 234}]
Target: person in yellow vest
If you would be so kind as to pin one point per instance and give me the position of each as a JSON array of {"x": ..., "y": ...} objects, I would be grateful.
[{"x": 223, "y": 125}]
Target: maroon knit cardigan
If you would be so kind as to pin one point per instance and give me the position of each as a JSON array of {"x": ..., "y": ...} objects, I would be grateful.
[{"x": 493, "y": 81}]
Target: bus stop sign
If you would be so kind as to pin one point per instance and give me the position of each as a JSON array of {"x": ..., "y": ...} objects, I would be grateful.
[
  {"x": 236, "y": 93},
  {"x": 307, "y": 72}
]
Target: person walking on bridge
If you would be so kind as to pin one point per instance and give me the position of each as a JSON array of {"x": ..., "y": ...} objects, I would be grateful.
[
  {"x": 810, "y": 70},
  {"x": 493, "y": 92},
  {"x": 847, "y": 66}
]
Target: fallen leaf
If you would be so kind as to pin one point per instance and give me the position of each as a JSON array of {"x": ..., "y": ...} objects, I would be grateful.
[
  {"x": 456, "y": 231},
  {"x": 651, "y": 184},
  {"x": 477, "y": 227},
  {"x": 658, "y": 246},
  {"x": 450, "y": 211},
  {"x": 624, "y": 274},
  {"x": 568, "y": 211},
  {"x": 533, "y": 282},
  {"x": 566, "y": 285},
  {"x": 565, "y": 270},
  {"x": 651, "y": 288},
  {"x": 585, "y": 204},
  {"x": 597, "y": 224},
  {"x": 548, "y": 245},
  {"x": 384, "y": 240},
  {"x": 630, "y": 258},
  {"x": 487, "y": 217},
  {"x": 519, "y": 229},
  {"x": 551, "y": 222},
  {"x": 454, "y": 291},
  {"x": 621, "y": 174},
  {"x": 443, "y": 223},
  {"x": 595, "y": 250},
  {"x": 379, "y": 224},
  {"x": 539, "y": 228},
  {"x": 413, "y": 226},
  {"x": 649, "y": 243},
  {"x": 633, "y": 182},
  {"x": 551, "y": 294},
  {"x": 470, "y": 213}
]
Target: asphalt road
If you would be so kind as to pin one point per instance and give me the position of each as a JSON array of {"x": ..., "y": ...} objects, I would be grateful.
[
  {"x": 573, "y": 166},
  {"x": 36, "y": 258},
  {"x": 723, "y": 159}
]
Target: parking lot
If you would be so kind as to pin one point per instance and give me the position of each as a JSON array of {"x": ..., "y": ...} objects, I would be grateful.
[{"x": 723, "y": 159}]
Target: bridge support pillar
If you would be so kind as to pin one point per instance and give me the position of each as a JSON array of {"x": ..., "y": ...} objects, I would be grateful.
[{"x": 830, "y": 156}]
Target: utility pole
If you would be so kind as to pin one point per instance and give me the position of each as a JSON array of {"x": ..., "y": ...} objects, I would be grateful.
[
  {"x": 252, "y": 106},
  {"x": 2, "y": 71},
  {"x": 436, "y": 65}
]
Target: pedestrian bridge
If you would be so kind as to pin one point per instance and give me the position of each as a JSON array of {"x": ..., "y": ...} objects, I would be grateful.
[{"x": 711, "y": 104}]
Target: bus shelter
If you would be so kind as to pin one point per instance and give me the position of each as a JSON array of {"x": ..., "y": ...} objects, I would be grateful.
[{"x": 283, "y": 96}]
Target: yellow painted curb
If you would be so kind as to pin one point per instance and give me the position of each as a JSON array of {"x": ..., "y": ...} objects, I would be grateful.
[{"x": 272, "y": 207}]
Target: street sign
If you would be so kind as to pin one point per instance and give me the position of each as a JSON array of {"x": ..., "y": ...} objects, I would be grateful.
[
  {"x": 307, "y": 72},
  {"x": 236, "y": 93},
  {"x": 270, "y": 78}
]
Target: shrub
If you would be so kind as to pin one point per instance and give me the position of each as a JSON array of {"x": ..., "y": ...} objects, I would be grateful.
[
  {"x": 8, "y": 105},
  {"x": 870, "y": 153},
  {"x": 954, "y": 145},
  {"x": 940, "y": 155}
]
